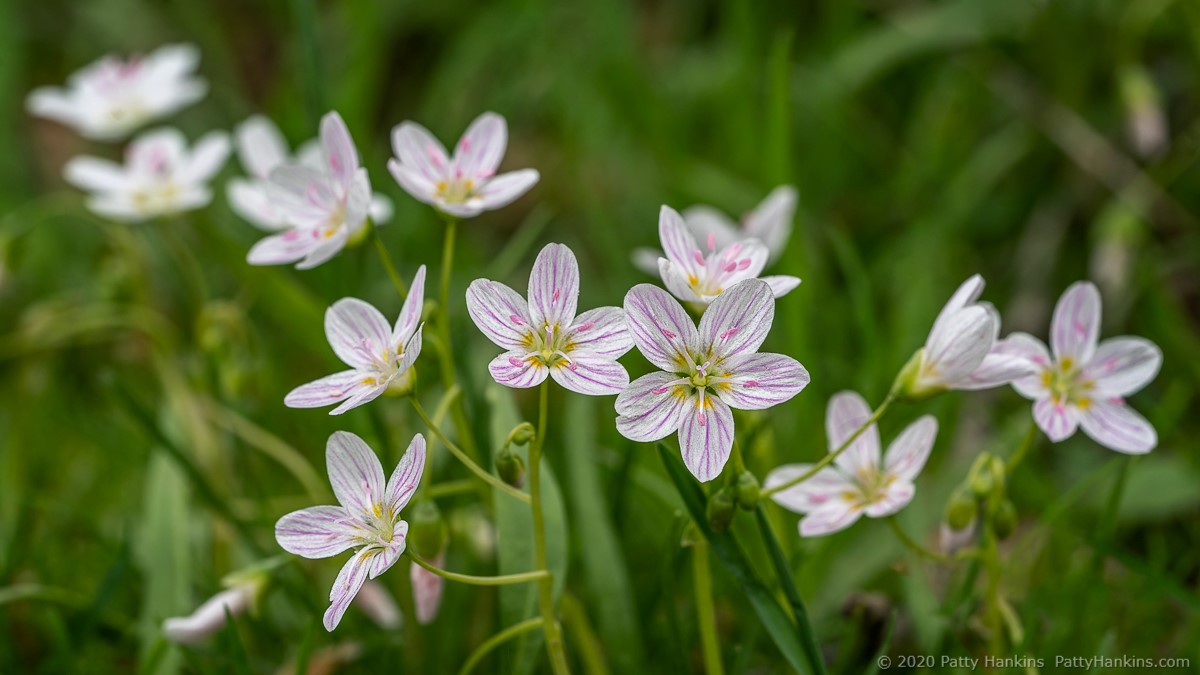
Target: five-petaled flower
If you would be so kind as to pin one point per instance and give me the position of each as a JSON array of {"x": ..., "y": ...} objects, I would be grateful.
[
  {"x": 1084, "y": 384},
  {"x": 112, "y": 97},
  {"x": 860, "y": 480},
  {"x": 695, "y": 276},
  {"x": 770, "y": 223},
  {"x": 705, "y": 372},
  {"x": 544, "y": 336},
  {"x": 959, "y": 352},
  {"x": 379, "y": 355},
  {"x": 323, "y": 206},
  {"x": 160, "y": 176},
  {"x": 261, "y": 149},
  {"x": 465, "y": 185},
  {"x": 368, "y": 518}
]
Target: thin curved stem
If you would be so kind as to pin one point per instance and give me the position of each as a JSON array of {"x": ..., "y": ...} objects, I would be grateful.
[
  {"x": 828, "y": 459},
  {"x": 454, "y": 487},
  {"x": 523, "y": 577},
  {"x": 1027, "y": 443},
  {"x": 705, "y": 614},
  {"x": 446, "y": 353},
  {"x": 498, "y": 639},
  {"x": 386, "y": 259},
  {"x": 462, "y": 457},
  {"x": 553, "y": 632},
  {"x": 912, "y": 545}
]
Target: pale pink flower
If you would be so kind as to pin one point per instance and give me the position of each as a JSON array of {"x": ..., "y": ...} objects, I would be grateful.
[
  {"x": 464, "y": 185},
  {"x": 112, "y": 97},
  {"x": 693, "y": 275},
  {"x": 770, "y": 223},
  {"x": 211, "y": 616},
  {"x": 544, "y": 337},
  {"x": 377, "y": 603},
  {"x": 427, "y": 589},
  {"x": 705, "y": 371},
  {"x": 378, "y": 353},
  {"x": 323, "y": 206},
  {"x": 1085, "y": 382},
  {"x": 262, "y": 149},
  {"x": 861, "y": 479},
  {"x": 160, "y": 176},
  {"x": 368, "y": 518}
]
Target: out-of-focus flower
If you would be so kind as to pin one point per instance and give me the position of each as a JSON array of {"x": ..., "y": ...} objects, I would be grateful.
[
  {"x": 160, "y": 177},
  {"x": 960, "y": 351},
  {"x": 261, "y": 149},
  {"x": 379, "y": 354},
  {"x": 544, "y": 337},
  {"x": 1085, "y": 383},
  {"x": 112, "y": 97},
  {"x": 861, "y": 479},
  {"x": 704, "y": 372},
  {"x": 210, "y": 617},
  {"x": 694, "y": 276},
  {"x": 378, "y": 604},
  {"x": 770, "y": 222},
  {"x": 427, "y": 589},
  {"x": 368, "y": 518},
  {"x": 323, "y": 205},
  {"x": 465, "y": 185}
]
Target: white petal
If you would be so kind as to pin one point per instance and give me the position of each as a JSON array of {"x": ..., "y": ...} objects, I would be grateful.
[
  {"x": 354, "y": 472},
  {"x": 361, "y": 396},
  {"x": 771, "y": 221},
  {"x": 329, "y": 390},
  {"x": 1113, "y": 424},
  {"x": 846, "y": 412},
  {"x": 427, "y": 590},
  {"x": 660, "y": 327},
  {"x": 832, "y": 517},
  {"x": 646, "y": 259},
  {"x": 346, "y": 586},
  {"x": 418, "y": 150},
  {"x": 893, "y": 498},
  {"x": 406, "y": 476},
  {"x": 340, "y": 155},
  {"x": 500, "y": 313},
  {"x": 676, "y": 279},
  {"x": 1035, "y": 352},
  {"x": 591, "y": 375},
  {"x": 381, "y": 209},
  {"x": 705, "y": 222},
  {"x": 209, "y": 617},
  {"x": 651, "y": 409},
  {"x": 206, "y": 158},
  {"x": 410, "y": 313},
  {"x": 249, "y": 200},
  {"x": 97, "y": 175},
  {"x": 966, "y": 295},
  {"x": 906, "y": 455},
  {"x": 505, "y": 189},
  {"x": 316, "y": 532},
  {"x": 1058, "y": 421},
  {"x": 1075, "y": 327},
  {"x": 283, "y": 248},
  {"x": 602, "y": 332},
  {"x": 997, "y": 370},
  {"x": 554, "y": 287},
  {"x": 706, "y": 437},
  {"x": 1123, "y": 365},
  {"x": 738, "y": 321},
  {"x": 413, "y": 182},
  {"x": 823, "y": 487},
  {"x": 326, "y": 249},
  {"x": 515, "y": 369},
  {"x": 481, "y": 147},
  {"x": 678, "y": 243},
  {"x": 760, "y": 381},
  {"x": 358, "y": 333},
  {"x": 957, "y": 346},
  {"x": 260, "y": 146},
  {"x": 781, "y": 284}
]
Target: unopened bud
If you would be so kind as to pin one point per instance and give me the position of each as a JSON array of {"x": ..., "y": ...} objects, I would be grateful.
[
  {"x": 1004, "y": 519},
  {"x": 721, "y": 509},
  {"x": 511, "y": 468},
  {"x": 961, "y": 509},
  {"x": 522, "y": 434},
  {"x": 426, "y": 530},
  {"x": 908, "y": 386},
  {"x": 748, "y": 492}
]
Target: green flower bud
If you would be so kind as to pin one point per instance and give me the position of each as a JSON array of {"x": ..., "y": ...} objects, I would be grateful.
[
  {"x": 510, "y": 467},
  {"x": 427, "y": 532},
  {"x": 961, "y": 509},
  {"x": 1004, "y": 519},
  {"x": 907, "y": 387},
  {"x": 748, "y": 492},
  {"x": 721, "y": 509},
  {"x": 522, "y": 434}
]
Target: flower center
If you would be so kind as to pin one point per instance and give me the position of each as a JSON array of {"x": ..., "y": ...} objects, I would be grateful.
[
  {"x": 1066, "y": 384},
  {"x": 719, "y": 268},
  {"x": 456, "y": 190}
]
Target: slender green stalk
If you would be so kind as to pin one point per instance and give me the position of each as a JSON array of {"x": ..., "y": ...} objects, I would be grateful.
[
  {"x": 588, "y": 646},
  {"x": 497, "y": 640},
  {"x": 505, "y": 580},
  {"x": 912, "y": 545},
  {"x": 386, "y": 259},
  {"x": 454, "y": 487},
  {"x": 705, "y": 614},
  {"x": 553, "y": 632},
  {"x": 1027, "y": 443},
  {"x": 269, "y": 444},
  {"x": 828, "y": 459},
  {"x": 462, "y": 457},
  {"x": 447, "y": 346},
  {"x": 808, "y": 636},
  {"x": 304, "y": 14}
]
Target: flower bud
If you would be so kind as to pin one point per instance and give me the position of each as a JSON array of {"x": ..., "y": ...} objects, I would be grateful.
[
  {"x": 748, "y": 492},
  {"x": 1004, "y": 519},
  {"x": 961, "y": 509},
  {"x": 511, "y": 467},
  {"x": 721, "y": 509},
  {"x": 908, "y": 386},
  {"x": 426, "y": 530},
  {"x": 211, "y": 616},
  {"x": 522, "y": 434}
]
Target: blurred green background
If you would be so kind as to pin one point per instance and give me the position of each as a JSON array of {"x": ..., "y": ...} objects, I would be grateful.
[{"x": 1034, "y": 142}]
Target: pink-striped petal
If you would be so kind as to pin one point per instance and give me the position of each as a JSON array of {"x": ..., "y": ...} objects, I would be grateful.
[
  {"x": 892, "y": 498},
  {"x": 481, "y": 148},
  {"x": 362, "y": 396},
  {"x": 554, "y": 287},
  {"x": 678, "y": 244},
  {"x": 1075, "y": 327},
  {"x": 660, "y": 327},
  {"x": 1057, "y": 420},
  {"x": 997, "y": 370},
  {"x": 345, "y": 587},
  {"x": 705, "y": 221},
  {"x": 833, "y": 517},
  {"x": 410, "y": 313},
  {"x": 406, "y": 476},
  {"x": 207, "y": 157},
  {"x": 966, "y": 295},
  {"x": 504, "y": 189},
  {"x": 341, "y": 157},
  {"x": 354, "y": 472},
  {"x": 600, "y": 332},
  {"x": 260, "y": 146},
  {"x": 1113, "y": 424},
  {"x": 957, "y": 346},
  {"x": 249, "y": 200},
  {"x": 759, "y": 381},
  {"x": 316, "y": 532},
  {"x": 418, "y": 150},
  {"x": 846, "y": 412},
  {"x": 329, "y": 247},
  {"x": 823, "y": 487},
  {"x": 415, "y": 184},
  {"x": 706, "y": 437},
  {"x": 329, "y": 390},
  {"x": 358, "y": 333},
  {"x": 591, "y": 375},
  {"x": 1123, "y": 365},
  {"x": 500, "y": 313},
  {"x": 388, "y": 556},
  {"x": 281, "y": 249},
  {"x": 907, "y": 454},
  {"x": 1033, "y": 350},
  {"x": 517, "y": 370},
  {"x": 771, "y": 221},
  {"x": 676, "y": 279},
  {"x": 427, "y": 589},
  {"x": 651, "y": 408},
  {"x": 738, "y": 321}
]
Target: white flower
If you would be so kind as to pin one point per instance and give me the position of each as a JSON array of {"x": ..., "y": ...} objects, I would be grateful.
[
  {"x": 770, "y": 222},
  {"x": 112, "y": 97},
  {"x": 368, "y": 518},
  {"x": 1084, "y": 384},
  {"x": 705, "y": 372},
  {"x": 695, "y": 276},
  {"x": 160, "y": 176},
  {"x": 860, "y": 480},
  {"x": 261, "y": 149},
  {"x": 465, "y": 185},
  {"x": 958, "y": 353},
  {"x": 544, "y": 337},
  {"x": 427, "y": 589},
  {"x": 378, "y": 354},
  {"x": 322, "y": 205},
  {"x": 210, "y": 617}
]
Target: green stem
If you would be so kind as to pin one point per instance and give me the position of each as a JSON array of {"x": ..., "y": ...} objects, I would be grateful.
[
  {"x": 386, "y": 259},
  {"x": 912, "y": 545},
  {"x": 446, "y": 353},
  {"x": 497, "y": 640},
  {"x": 454, "y": 487},
  {"x": 705, "y": 614},
  {"x": 1027, "y": 443},
  {"x": 523, "y": 577},
  {"x": 828, "y": 459},
  {"x": 589, "y": 648},
  {"x": 553, "y": 632},
  {"x": 808, "y": 636},
  {"x": 462, "y": 457},
  {"x": 304, "y": 13}
]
